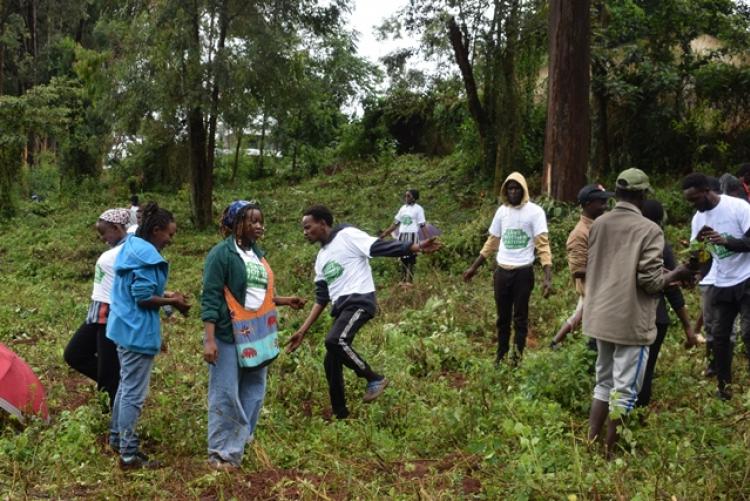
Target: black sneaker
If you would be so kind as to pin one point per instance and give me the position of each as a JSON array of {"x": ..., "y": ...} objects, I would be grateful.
[
  {"x": 139, "y": 461},
  {"x": 723, "y": 394}
]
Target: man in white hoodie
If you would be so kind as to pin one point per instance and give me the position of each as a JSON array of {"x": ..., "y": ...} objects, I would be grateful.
[{"x": 518, "y": 234}]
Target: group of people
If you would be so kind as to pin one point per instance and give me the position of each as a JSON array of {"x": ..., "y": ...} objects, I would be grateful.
[
  {"x": 621, "y": 265},
  {"x": 120, "y": 337},
  {"x": 625, "y": 273}
]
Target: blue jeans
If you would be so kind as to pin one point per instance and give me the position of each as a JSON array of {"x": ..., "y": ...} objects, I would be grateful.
[
  {"x": 235, "y": 398},
  {"x": 135, "y": 373}
]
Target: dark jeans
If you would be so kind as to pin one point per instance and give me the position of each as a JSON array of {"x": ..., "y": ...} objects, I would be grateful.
[
  {"x": 339, "y": 353},
  {"x": 644, "y": 397},
  {"x": 407, "y": 267},
  {"x": 93, "y": 355},
  {"x": 512, "y": 292},
  {"x": 727, "y": 303}
]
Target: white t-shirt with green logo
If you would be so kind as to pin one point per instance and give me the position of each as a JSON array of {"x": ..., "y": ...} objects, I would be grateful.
[
  {"x": 257, "y": 279},
  {"x": 104, "y": 274},
  {"x": 410, "y": 218},
  {"x": 517, "y": 227},
  {"x": 344, "y": 264},
  {"x": 731, "y": 218}
]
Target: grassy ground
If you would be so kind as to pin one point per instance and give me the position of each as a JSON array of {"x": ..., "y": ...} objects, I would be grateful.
[{"x": 450, "y": 425}]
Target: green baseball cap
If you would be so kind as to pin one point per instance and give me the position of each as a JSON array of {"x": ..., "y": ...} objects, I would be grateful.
[{"x": 633, "y": 180}]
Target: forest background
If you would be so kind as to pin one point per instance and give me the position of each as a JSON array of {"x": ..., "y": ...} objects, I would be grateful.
[{"x": 198, "y": 103}]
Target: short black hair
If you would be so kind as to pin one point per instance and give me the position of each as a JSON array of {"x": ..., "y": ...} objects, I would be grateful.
[
  {"x": 134, "y": 200},
  {"x": 414, "y": 193},
  {"x": 153, "y": 217},
  {"x": 629, "y": 195},
  {"x": 653, "y": 210},
  {"x": 743, "y": 170},
  {"x": 696, "y": 180},
  {"x": 320, "y": 213}
]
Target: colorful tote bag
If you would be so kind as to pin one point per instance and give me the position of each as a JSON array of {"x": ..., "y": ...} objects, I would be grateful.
[{"x": 255, "y": 332}]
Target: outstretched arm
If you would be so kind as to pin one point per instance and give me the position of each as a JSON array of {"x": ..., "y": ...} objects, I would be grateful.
[
  {"x": 296, "y": 340},
  {"x": 389, "y": 230}
]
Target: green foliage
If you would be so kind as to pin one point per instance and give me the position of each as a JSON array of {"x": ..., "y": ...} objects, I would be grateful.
[
  {"x": 449, "y": 426},
  {"x": 672, "y": 75}
]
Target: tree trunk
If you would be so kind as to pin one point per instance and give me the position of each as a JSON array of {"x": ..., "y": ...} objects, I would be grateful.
[
  {"x": 201, "y": 177},
  {"x": 2, "y": 66},
  {"x": 567, "y": 136},
  {"x": 262, "y": 144},
  {"x": 213, "y": 117},
  {"x": 201, "y": 171},
  {"x": 487, "y": 140},
  {"x": 235, "y": 165},
  {"x": 600, "y": 125}
]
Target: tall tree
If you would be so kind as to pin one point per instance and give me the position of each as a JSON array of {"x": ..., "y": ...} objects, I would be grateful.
[
  {"x": 568, "y": 132},
  {"x": 497, "y": 46},
  {"x": 176, "y": 60}
]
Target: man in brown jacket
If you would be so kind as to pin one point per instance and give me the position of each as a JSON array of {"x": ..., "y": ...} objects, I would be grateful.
[
  {"x": 593, "y": 199},
  {"x": 624, "y": 273}
]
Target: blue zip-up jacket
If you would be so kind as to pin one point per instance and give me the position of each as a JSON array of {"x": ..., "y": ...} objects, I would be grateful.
[{"x": 140, "y": 273}]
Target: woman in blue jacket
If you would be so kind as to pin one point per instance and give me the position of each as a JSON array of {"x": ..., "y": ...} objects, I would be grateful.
[{"x": 134, "y": 326}]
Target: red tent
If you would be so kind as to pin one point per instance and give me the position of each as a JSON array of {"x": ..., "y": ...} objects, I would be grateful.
[{"x": 21, "y": 392}]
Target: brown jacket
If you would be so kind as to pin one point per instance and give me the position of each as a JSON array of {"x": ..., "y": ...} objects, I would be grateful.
[
  {"x": 577, "y": 247},
  {"x": 624, "y": 273}
]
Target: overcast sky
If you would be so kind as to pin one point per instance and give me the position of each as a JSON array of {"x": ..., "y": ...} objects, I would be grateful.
[{"x": 369, "y": 13}]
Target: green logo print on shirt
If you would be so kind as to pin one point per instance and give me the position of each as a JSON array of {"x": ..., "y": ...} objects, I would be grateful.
[
  {"x": 406, "y": 220},
  {"x": 331, "y": 271},
  {"x": 515, "y": 238},
  {"x": 257, "y": 277},
  {"x": 98, "y": 274},
  {"x": 720, "y": 251}
]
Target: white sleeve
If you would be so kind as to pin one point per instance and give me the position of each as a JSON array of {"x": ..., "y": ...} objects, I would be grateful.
[
  {"x": 496, "y": 229},
  {"x": 318, "y": 270},
  {"x": 540, "y": 222},
  {"x": 420, "y": 215},
  {"x": 695, "y": 226},
  {"x": 743, "y": 216},
  {"x": 358, "y": 241}
]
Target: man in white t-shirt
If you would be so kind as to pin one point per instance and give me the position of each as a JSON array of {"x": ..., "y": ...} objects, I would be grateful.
[
  {"x": 344, "y": 278},
  {"x": 518, "y": 233},
  {"x": 724, "y": 223}
]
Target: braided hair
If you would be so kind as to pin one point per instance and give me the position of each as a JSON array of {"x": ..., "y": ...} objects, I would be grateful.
[
  {"x": 239, "y": 222},
  {"x": 153, "y": 217}
]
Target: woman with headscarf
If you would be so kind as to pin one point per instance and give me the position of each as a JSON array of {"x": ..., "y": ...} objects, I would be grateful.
[
  {"x": 89, "y": 351},
  {"x": 238, "y": 309}
]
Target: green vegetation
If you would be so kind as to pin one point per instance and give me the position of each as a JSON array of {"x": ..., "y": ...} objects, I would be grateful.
[{"x": 449, "y": 426}]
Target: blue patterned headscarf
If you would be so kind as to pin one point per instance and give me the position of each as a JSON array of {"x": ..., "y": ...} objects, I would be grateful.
[{"x": 232, "y": 211}]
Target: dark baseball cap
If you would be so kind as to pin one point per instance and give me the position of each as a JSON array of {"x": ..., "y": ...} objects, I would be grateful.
[{"x": 593, "y": 192}]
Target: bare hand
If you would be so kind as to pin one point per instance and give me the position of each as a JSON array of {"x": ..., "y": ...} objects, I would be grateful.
[
  {"x": 210, "y": 351},
  {"x": 715, "y": 237},
  {"x": 546, "y": 288},
  {"x": 297, "y": 302},
  {"x": 294, "y": 341},
  {"x": 469, "y": 274},
  {"x": 430, "y": 245},
  {"x": 180, "y": 302}
]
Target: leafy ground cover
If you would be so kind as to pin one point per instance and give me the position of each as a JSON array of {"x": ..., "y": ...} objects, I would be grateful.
[{"x": 450, "y": 425}]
